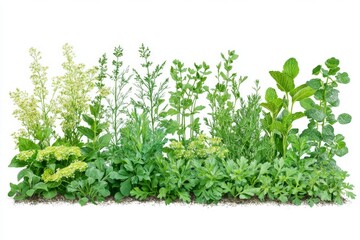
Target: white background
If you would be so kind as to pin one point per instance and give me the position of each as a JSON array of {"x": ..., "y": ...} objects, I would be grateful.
[{"x": 264, "y": 33}]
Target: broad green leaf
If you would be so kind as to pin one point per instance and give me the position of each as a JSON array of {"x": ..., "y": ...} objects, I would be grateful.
[
  {"x": 296, "y": 116},
  {"x": 315, "y": 114},
  {"x": 307, "y": 103},
  {"x": 115, "y": 175},
  {"x": 118, "y": 196},
  {"x": 332, "y": 97},
  {"x": 341, "y": 151},
  {"x": 328, "y": 133},
  {"x": 332, "y": 63},
  {"x": 104, "y": 140},
  {"x": 311, "y": 134},
  {"x": 26, "y": 144},
  {"x": 88, "y": 119},
  {"x": 87, "y": 132},
  {"x": 278, "y": 127},
  {"x": 172, "y": 112},
  {"x": 344, "y": 118},
  {"x": 17, "y": 163},
  {"x": 316, "y": 70},
  {"x": 94, "y": 173},
  {"x": 50, "y": 194},
  {"x": 270, "y": 94},
  {"x": 291, "y": 68},
  {"x": 314, "y": 83},
  {"x": 342, "y": 78},
  {"x": 40, "y": 185},
  {"x": 30, "y": 192},
  {"x": 302, "y": 92},
  {"x": 125, "y": 187},
  {"x": 83, "y": 201},
  {"x": 333, "y": 71},
  {"x": 284, "y": 82}
]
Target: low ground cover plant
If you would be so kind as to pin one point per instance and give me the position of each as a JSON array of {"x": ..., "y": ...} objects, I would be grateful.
[{"x": 115, "y": 131}]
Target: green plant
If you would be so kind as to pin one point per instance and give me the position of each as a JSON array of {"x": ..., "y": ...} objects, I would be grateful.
[
  {"x": 118, "y": 148},
  {"x": 74, "y": 87},
  {"x": 224, "y": 98},
  {"x": 189, "y": 84},
  {"x": 134, "y": 164},
  {"x": 93, "y": 186},
  {"x": 278, "y": 121},
  {"x": 46, "y": 170},
  {"x": 119, "y": 93},
  {"x": 320, "y": 128},
  {"x": 96, "y": 139},
  {"x": 150, "y": 93},
  {"x": 36, "y": 112}
]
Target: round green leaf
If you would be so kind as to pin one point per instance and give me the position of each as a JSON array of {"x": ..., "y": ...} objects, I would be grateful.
[
  {"x": 344, "y": 118},
  {"x": 342, "y": 78},
  {"x": 314, "y": 83},
  {"x": 332, "y": 63}
]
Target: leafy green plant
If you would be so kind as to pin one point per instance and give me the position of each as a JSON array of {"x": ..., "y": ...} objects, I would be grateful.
[
  {"x": 189, "y": 84},
  {"x": 119, "y": 148},
  {"x": 97, "y": 139},
  {"x": 93, "y": 186},
  {"x": 320, "y": 113},
  {"x": 46, "y": 170},
  {"x": 150, "y": 93},
  {"x": 119, "y": 92},
  {"x": 37, "y": 112},
  {"x": 134, "y": 165},
  {"x": 278, "y": 121},
  {"x": 74, "y": 88}
]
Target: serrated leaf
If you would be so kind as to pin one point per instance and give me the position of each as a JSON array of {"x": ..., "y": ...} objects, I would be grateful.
[
  {"x": 184, "y": 196},
  {"x": 344, "y": 118},
  {"x": 291, "y": 68},
  {"x": 284, "y": 82}
]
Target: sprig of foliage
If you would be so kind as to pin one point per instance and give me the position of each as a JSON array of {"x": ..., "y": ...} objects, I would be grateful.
[
  {"x": 75, "y": 87},
  {"x": 189, "y": 84},
  {"x": 119, "y": 94},
  {"x": 36, "y": 112},
  {"x": 150, "y": 92},
  {"x": 320, "y": 128},
  {"x": 96, "y": 139},
  {"x": 278, "y": 121}
]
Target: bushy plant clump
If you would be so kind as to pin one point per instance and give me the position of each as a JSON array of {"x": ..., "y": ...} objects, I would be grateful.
[{"x": 85, "y": 137}]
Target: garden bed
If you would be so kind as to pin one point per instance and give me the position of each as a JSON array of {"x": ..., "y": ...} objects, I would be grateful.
[{"x": 98, "y": 135}]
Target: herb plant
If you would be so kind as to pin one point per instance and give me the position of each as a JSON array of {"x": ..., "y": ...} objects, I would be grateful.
[{"x": 81, "y": 137}]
